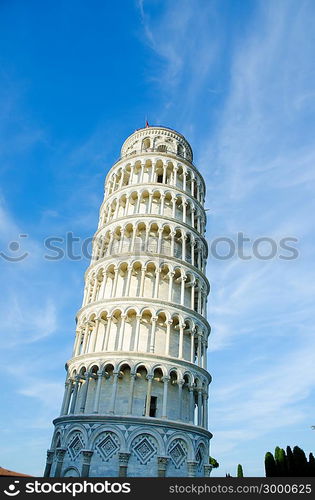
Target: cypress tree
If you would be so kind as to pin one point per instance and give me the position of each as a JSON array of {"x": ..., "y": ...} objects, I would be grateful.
[
  {"x": 301, "y": 465},
  {"x": 290, "y": 463},
  {"x": 281, "y": 462},
  {"x": 311, "y": 465},
  {"x": 270, "y": 465},
  {"x": 240, "y": 471},
  {"x": 276, "y": 456}
]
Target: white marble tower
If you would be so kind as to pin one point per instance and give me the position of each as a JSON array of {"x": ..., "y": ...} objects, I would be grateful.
[{"x": 136, "y": 395}]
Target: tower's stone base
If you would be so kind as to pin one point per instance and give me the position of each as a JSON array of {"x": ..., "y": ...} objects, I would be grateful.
[{"x": 113, "y": 446}]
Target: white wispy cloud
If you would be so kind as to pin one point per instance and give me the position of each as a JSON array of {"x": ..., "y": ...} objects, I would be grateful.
[{"x": 257, "y": 155}]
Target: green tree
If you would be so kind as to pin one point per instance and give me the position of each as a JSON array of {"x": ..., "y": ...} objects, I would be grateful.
[
  {"x": 240, "y": 471},
  {"x": 290, "y": 463},
  {"x": 300, "y": 462},
  {"x": 213, "y": 462},
  {"x": 270, "y": 465},
  {"x": 281, "y": 462},
  {"x": 311, "y": 465}
]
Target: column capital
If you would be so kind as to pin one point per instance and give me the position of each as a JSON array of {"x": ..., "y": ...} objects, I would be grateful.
[
  {"x": 60, "y": 452},
  {"x": 154, "y": 318},
  {"x": 162, "y": 463},
  {"x": 87, "y": 455},
  {"x": 166, "y": 379},
  {"x": 207, "y": 470},
  {"x": 180, "y": 382},
  {"x": 123, "y": 458},
  {"x": 149, "y": 376},
  {"x": 50, "y": 456}
]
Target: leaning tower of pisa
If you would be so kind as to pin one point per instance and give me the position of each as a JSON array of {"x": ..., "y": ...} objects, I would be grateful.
[{"x": 136, "y": 391}]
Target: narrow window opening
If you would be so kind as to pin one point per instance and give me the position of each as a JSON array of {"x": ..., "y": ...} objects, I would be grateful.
[
  {"x": 153, "y": 406},
  {"x": 160, "y": 178}
]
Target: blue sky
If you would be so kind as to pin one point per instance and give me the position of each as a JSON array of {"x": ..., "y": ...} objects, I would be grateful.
[{"x": 237, "y": 78}]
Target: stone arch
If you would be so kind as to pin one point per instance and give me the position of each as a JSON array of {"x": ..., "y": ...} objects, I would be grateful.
[
  {"x": 201, "y": 457},
  {"x": 107, "y": 444},
  {"x": 142, "y": 364},
  {"x": 57, "y": 440},
  {"x": 177, "y": 451},
  {"x": 108, "y": 363},
  {"x": 71, "y": 472},
  {"x": 189, "y": 376},
  {"x": 97, "y": 433},
  {"x": 187, "y": 440},
  {"x": 151, "y": 432},
  {"x": 158, "y": 366},
  {"x": 75, "y": 439}
]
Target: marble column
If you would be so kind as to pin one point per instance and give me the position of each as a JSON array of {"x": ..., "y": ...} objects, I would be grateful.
[
  {"x": 98, "y": 391},
  {"x": 75, "y": 394},
  {"x": 153, "y": 330},
  {"x": 123, "y": 459},
  {"x": 84, "y": 392},
  {"x": 114, "y": 393},
  {"x": 49, "y": 461},
  {"x": 133, "y": 378},
  {"x": 148, "y": 398},
  {"x": 180, "y": 383},
  {"x": 165, "y": 394},
  {"x": 87, "y": 455},
  {"x": 161, "y": 466},
  {"x": 60, "y": 453},
  {"x": 66, "y": 398},
  {"x": 191, "y": 467}
]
